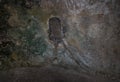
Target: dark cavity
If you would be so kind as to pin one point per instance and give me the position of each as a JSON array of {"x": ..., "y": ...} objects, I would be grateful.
[{"x": 55, "y": 30}]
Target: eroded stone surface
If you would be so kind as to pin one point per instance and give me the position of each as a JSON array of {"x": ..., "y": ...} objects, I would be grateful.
[{"x": 92, "y": 36}]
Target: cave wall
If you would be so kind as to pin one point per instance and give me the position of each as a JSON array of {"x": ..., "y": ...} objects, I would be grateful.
[{"x": 91, "y": 33}]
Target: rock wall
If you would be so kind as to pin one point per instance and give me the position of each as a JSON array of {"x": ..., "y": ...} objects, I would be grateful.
[{"x": 91, "y": 39}]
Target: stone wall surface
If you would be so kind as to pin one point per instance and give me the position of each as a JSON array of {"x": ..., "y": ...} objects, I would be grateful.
[{"x": 92, "y": 34}]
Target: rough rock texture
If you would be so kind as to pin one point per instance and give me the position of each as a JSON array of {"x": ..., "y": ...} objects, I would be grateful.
[
  {"x": 48, "y": 74},
  {"x": 92, "y": 33}
]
